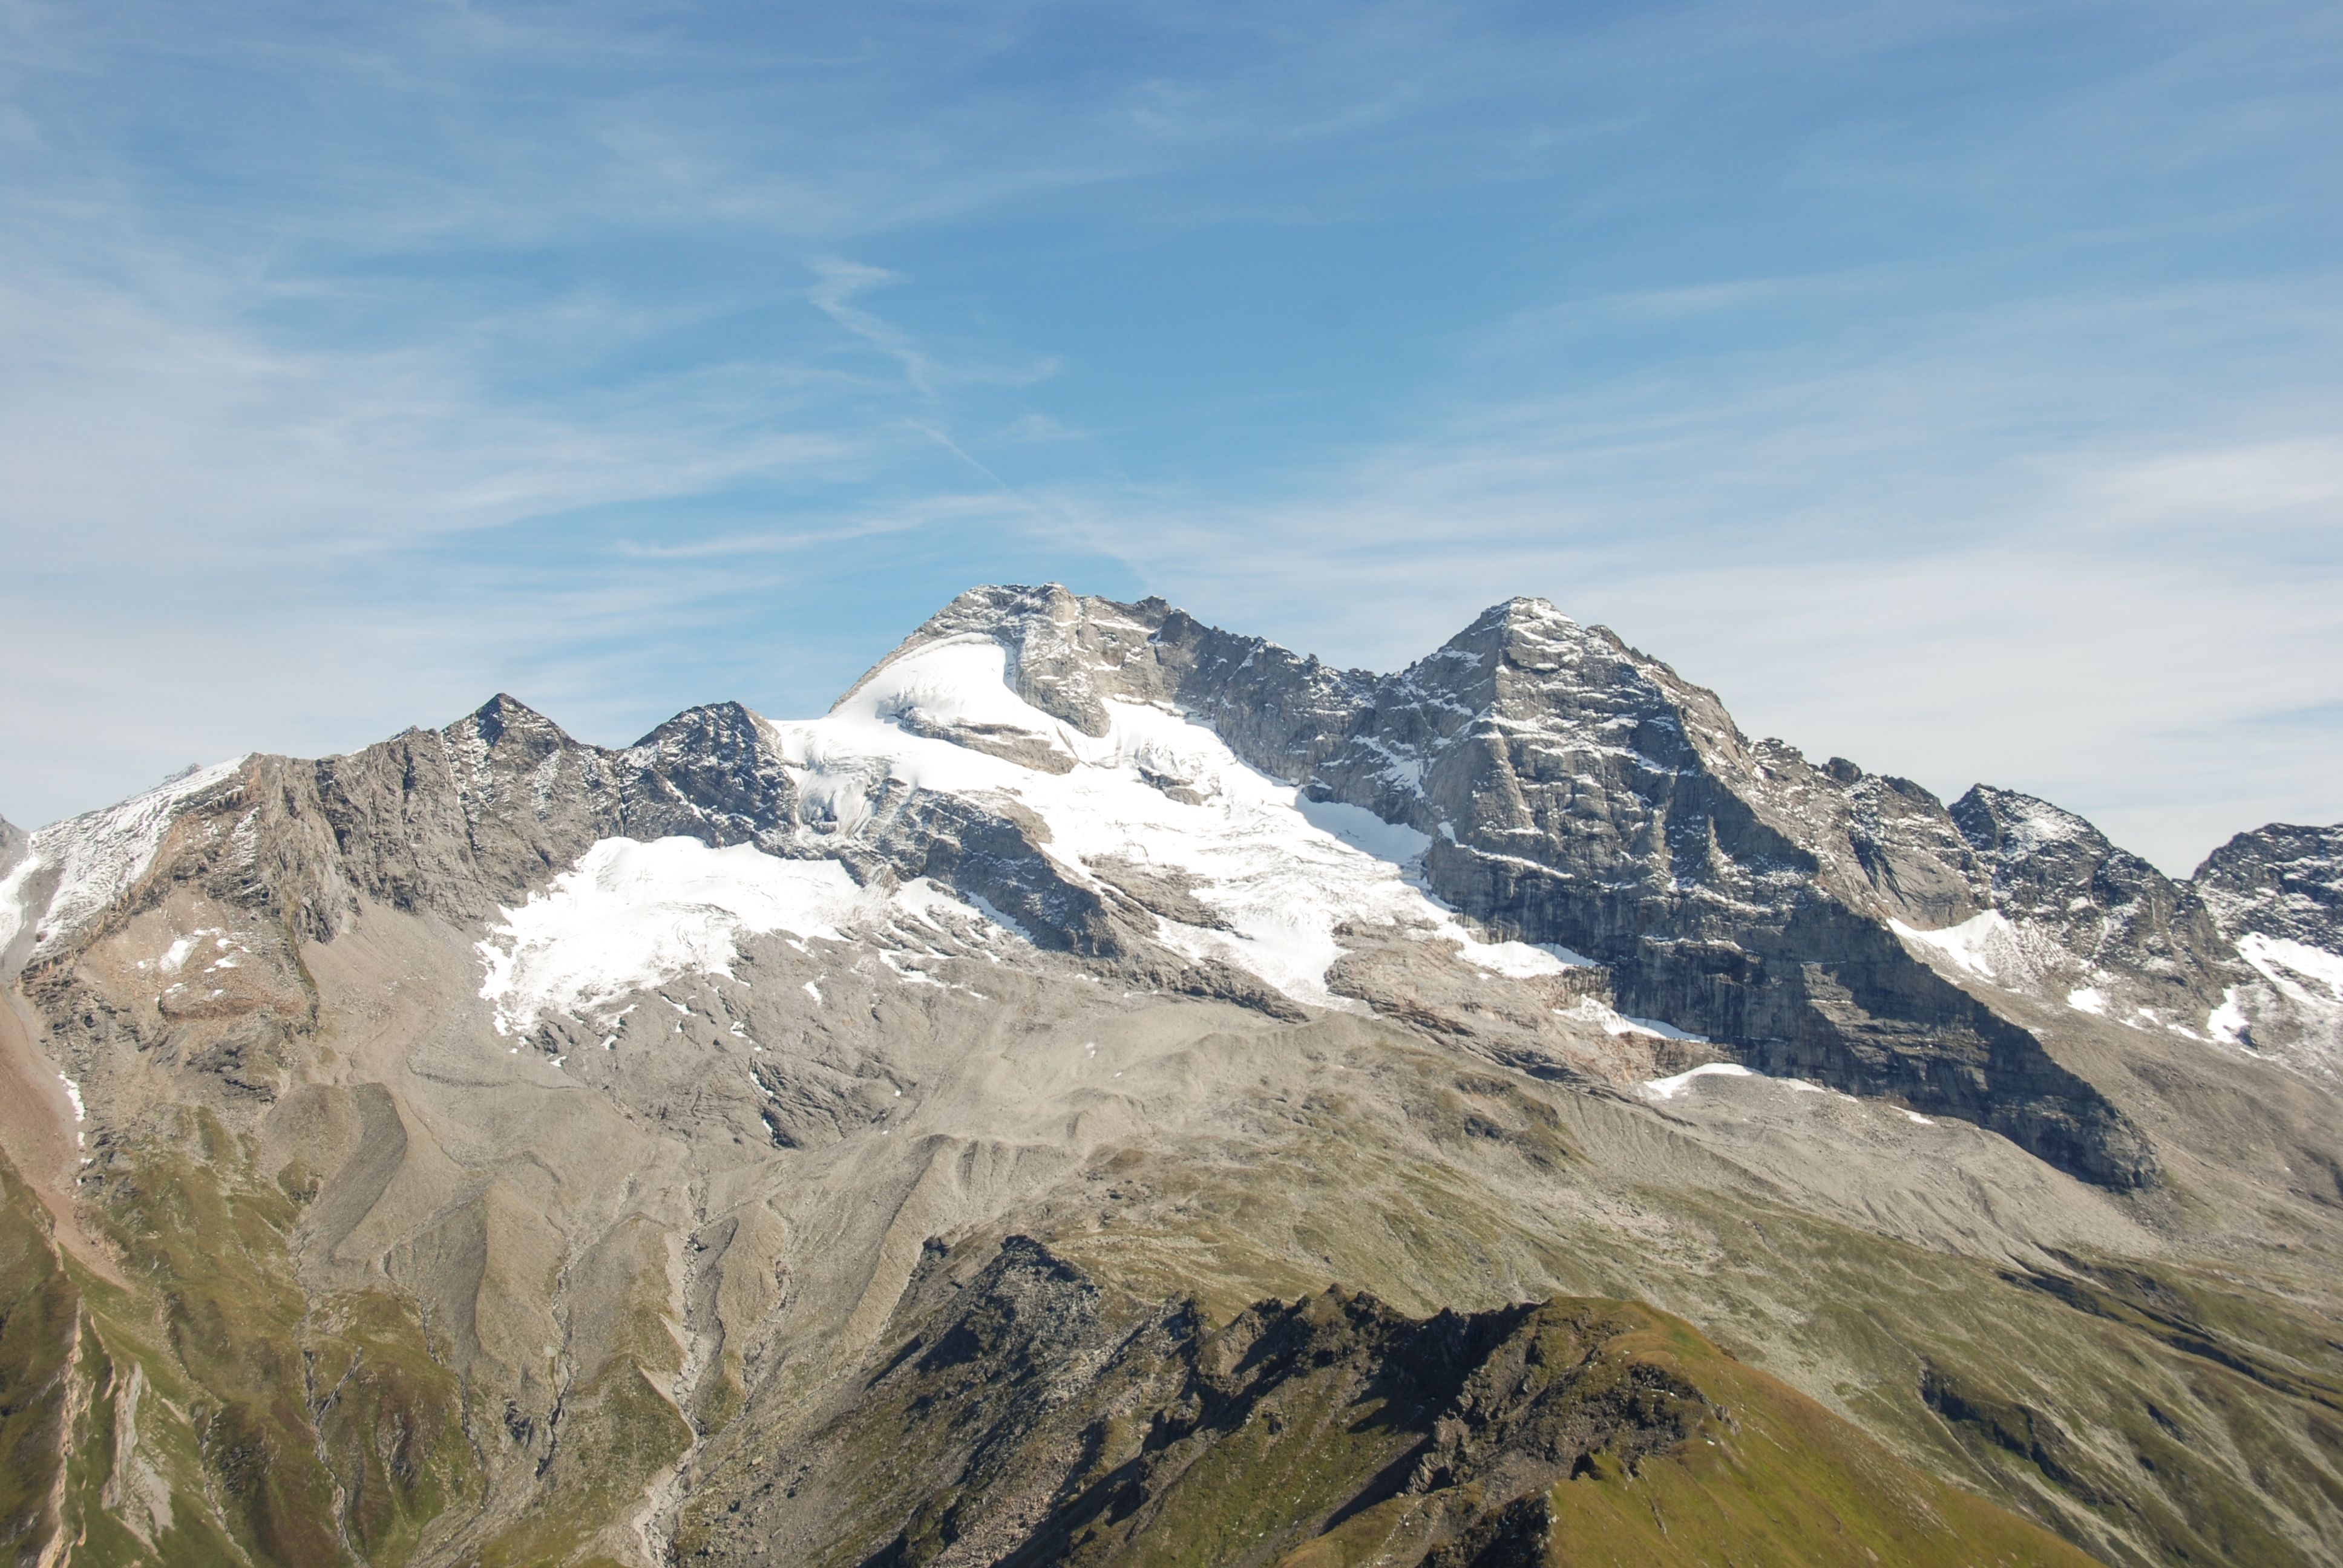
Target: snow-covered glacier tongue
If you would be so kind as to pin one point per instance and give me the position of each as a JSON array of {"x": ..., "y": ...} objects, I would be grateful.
[{"x": 632, "y": 916}]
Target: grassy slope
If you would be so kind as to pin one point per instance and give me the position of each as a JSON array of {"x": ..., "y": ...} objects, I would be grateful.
[
  {"x": 1334, "y": 1433},
  {"x": 2123, "y": 1404},
  {"x": 1773, "y": 1480},
  {"x": 2149, "y": 1413},
  {"x": 40, "y": 1312},
  {"x": 273, "y": 1430},
  {"x": 2152, "y": 1414}
]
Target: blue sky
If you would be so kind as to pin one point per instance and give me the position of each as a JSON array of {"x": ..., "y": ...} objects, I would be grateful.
[{"x": 1952, "y": 387}]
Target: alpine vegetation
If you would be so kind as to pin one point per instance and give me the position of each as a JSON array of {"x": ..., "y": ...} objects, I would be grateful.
[{"x": 1112, "y": 1091}]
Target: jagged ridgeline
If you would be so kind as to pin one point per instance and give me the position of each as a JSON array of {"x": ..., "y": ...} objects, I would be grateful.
[{"x": 1114, "y": 1091}]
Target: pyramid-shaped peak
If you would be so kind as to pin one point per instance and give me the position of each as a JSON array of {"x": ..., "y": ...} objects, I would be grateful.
[
  {"x": 2284, "y": 879},
  {"x": 507, "y": 708},
  {"x": 2012, "y": 823},
  {"x": 1525, "y": 616},
  {"x": 1525, "y": 622},
  {"x": 505, "y": 714},
  {"x": 708, "y": 721}
]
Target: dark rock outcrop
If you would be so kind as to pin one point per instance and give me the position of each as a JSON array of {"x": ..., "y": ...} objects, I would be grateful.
[
  {"x": 2282, "y": 881},
  {"x": 1031, "y": 1417},
  {"x": 1130, "y": 1420},
  {"x": 2105, "y": 905}
]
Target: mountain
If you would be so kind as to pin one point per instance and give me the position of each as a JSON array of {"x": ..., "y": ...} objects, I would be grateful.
[
  {"x": 2282, "y": 882},
  {"x": 1113, "y": 1091}
]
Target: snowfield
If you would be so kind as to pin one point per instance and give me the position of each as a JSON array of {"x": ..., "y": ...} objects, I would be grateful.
[
  {"x": 1669, "y": 1088},
  {"x": 2306, "y": 974},
  {"x": 1281, "y": 871},
  {"x": 632, "y": 916}
]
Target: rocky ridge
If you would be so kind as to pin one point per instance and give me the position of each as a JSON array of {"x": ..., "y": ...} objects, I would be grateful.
[
  {"x": 1329, "y": 1429},
  {"x": 590, "y": 1113},
  {"x": 1576, "y": 792},
  {"x": 2280, "y": 880}
]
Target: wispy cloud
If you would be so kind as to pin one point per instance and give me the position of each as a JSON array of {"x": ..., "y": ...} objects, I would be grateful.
[
  {"x": 838, "y": 284},
  {"x": 1951, "y": 386},
  {"x": 1936, "y": 557}
]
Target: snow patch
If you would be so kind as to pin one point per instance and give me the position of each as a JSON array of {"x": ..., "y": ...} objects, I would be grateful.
[
  {"x": 13, "y": 914},
  {"x": 2088, "y": 999},
  {"x": 632, "y": 916},
  {"x": 1985, "y": 945},
  {"x": 1665, "y": 1031},
  {"x": 96, "y": 857},
  {"x": 1669, "y": 1088},
  {"x": 1006, "y": 923},
  {"x": 1518, "y": 960},
  {"x": 1586, "y": 1009},
  {"x": 2031, "y": 825},
  {"x": 2227, "y": 1022},
  {"x": 81, "y": 1111},
  {"x": 2298, "y": 970},
  {"x": 1362, "y": 830}
]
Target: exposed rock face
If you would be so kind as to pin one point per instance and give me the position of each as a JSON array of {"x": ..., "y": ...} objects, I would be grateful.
[
  {"x": 2281, "y": 880},
  {"x": 1281, "y": 712},
  {"x": 2104, "y": 905},
  {"x": 459, "y": 819},
  {"x": 1574, "y": 791},
  {"x": 1582, "y": 794},
  {"x": 521, "y": 1143},
  {"x": 2277, "y": 893},
  {"x": 1579, "y": 793}
]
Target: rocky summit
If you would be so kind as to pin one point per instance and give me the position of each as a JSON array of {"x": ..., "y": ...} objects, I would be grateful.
[{"x": 1115, "y": 1092}]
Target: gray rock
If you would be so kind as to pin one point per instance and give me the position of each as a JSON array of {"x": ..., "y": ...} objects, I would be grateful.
[
  {"x": 657, "y": 1245},
  {"x": 2104, "y": 904},
  {"x": 2281, "y": 880},
  {"x": 1581, "y": 793}
]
